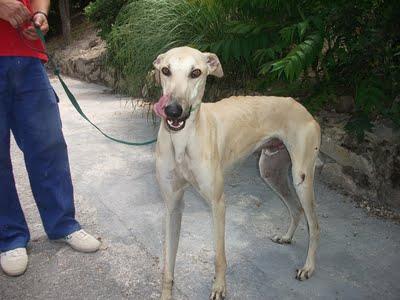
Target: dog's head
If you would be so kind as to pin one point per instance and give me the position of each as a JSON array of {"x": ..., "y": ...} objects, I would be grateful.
[{"x": 182, "y": 73}]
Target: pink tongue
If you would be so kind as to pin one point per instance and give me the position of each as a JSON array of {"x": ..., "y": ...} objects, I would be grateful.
[{"x": 160, "y": 106}]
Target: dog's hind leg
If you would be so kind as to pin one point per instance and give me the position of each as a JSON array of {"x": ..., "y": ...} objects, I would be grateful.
[
  {"x": 304, "y": 156},
  {"x": 305, "y": 192},
  {"x": 274, "y": 169}
]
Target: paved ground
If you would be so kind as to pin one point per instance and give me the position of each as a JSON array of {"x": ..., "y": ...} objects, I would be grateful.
[{"x": 117, "y": 198}]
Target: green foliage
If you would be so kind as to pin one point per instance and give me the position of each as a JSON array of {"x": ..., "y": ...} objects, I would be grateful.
[
  {"x": 103, "y": 14},
  {"x": 144, "y": 29},
  {"x": 317, "y": 101},
  {"x": 370, "y": 97},
  {"x": 358, "y": 124},
  {"x": 297, "y": 60},
  {"x": 352, "y": 47}
]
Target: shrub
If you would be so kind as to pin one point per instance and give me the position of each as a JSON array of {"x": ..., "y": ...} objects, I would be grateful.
[
  {"x": 146, "y": 28},
  {"x": 349, "y": 47},
  {"x": 103, "y": 14}
]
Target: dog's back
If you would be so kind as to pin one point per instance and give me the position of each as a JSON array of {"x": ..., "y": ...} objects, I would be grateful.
[{"x": 247, "y": 122}]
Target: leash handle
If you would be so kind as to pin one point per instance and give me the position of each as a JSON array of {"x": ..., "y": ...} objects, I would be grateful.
[
  {"x": 76, "y": 105},
  {"x": 40, "y": 34}
]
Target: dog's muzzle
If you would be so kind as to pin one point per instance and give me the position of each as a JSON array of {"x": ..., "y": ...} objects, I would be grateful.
[
  {"x": 175, "y": 118},
  {"x": 176, "y": 125}
]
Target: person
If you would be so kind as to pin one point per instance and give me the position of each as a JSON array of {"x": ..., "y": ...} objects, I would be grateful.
[{"x": 29, "y": 108}]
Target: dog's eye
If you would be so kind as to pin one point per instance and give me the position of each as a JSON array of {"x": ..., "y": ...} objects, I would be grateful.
[
  {"x": 195, "y": 73},
  {"x": 166, "y": 71}
]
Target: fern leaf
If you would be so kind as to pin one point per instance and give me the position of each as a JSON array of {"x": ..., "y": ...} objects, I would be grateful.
[
  {"x": 299, "y": 58},
  {"x": 295, "y": 32}
]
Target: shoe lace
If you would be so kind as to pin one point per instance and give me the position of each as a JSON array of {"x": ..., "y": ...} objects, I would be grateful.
[{"x": 80, "y": 234}]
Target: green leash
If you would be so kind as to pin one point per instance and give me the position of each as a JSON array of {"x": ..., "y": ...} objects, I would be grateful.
[{"x": 75, "y": 103}]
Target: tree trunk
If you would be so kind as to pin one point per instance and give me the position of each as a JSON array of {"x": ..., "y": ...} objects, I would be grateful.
[{"x": 64, "y": 7}]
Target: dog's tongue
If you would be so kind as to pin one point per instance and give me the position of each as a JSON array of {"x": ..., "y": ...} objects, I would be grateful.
[{"x": 160, "y": 106}]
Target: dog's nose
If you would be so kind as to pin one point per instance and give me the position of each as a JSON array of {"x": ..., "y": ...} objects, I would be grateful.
[{"x": 174, "y": 110}]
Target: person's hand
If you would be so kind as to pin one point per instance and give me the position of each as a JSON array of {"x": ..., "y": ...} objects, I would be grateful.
[
  {"x": 14, "y": 12},
  {"x": 40, "y": 21}
]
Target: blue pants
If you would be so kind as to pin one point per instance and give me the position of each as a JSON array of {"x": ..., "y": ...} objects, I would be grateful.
[{"x": 29, "y": 108}]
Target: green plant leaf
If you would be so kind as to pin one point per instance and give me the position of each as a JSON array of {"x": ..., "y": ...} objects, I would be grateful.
[{"x": 299, "y": 58}]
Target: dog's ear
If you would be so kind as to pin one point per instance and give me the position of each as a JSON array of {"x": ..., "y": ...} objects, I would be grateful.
[
  {"x": 158, "y": 61},
  {"x": 214, "y": 65},
  {"x": 157, "y": 64}
]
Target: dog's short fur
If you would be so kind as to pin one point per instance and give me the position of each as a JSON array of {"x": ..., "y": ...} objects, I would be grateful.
[{"x": 218, "y": 134}]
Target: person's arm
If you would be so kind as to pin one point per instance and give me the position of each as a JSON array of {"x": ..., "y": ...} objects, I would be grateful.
[
  {"x": 40, "y": 10},
  {"x": 40, "y": 5},
  {"x": 14, "y": 12}
]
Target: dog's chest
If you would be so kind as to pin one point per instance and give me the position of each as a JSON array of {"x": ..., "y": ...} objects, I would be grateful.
[
  {"x": 185, "y": 164},
  {"x": 185, "y": 169},
  {"x": 186, "y": 156}
]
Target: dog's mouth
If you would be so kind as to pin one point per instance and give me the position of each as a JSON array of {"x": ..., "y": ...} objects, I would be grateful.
[
  {"x": 175, "y": 124},
  {"x": 178, "y": 123}
]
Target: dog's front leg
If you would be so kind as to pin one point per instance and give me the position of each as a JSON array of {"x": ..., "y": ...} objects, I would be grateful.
[
  {"x": 172, "y": 188},
  {"x": 218, "y": 213},
  {"x": 211, "y": 186},
  {"x": 173, "y": 220}
]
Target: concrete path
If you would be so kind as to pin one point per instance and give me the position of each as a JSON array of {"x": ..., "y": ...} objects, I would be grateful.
[{"x": 117, "y": 198}]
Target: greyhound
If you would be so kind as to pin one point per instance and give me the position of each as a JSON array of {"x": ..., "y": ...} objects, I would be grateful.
[{"x": 198, "y": 141}]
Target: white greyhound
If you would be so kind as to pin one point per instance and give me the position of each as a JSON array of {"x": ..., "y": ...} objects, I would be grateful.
[{"x": 197, "y": 141}]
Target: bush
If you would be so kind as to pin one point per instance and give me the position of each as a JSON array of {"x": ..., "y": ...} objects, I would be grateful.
[
  {"x": 103, "y": 14},
  {"x": 349, "y": 47},
  {"x": 146, "y": 28}
]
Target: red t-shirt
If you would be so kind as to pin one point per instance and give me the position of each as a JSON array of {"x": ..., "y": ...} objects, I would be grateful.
[{"x": 13, "y": 43}]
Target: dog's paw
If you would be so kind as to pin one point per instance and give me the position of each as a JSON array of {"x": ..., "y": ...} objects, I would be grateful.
[
  {"x": 304, "y": 273},
  {"x": 167, "y": 290},
  {"x": 281, "y": 239},
  {"x": 166, "y": 294},
  {"x": 218, "y": 290}
]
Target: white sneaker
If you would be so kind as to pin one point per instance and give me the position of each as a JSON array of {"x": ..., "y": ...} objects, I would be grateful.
[
  {"x": 82, "y": 241},
  {"x": 14, "y": 262}
]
